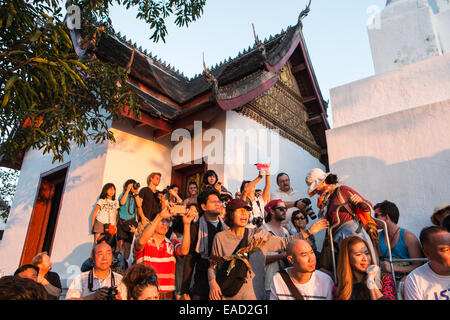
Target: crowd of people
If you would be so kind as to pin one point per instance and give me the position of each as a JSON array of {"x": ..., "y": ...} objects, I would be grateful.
[{"x": 151, "y": 244}]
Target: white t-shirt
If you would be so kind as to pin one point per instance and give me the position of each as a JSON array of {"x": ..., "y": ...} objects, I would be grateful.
[
  {"x": 273, "y": 267},
  {"x": 107, "y": 209},
  {"x": 79, "y": 287},
  {"x": 424, "y": 284},
  {"x": 287, "y": 196},
  {"x": 319, "y": 287}
]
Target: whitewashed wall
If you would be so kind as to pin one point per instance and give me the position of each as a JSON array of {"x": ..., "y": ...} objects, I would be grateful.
[
  {"x": 406, "y": 32},
  {"x": 135, "y": 155},
  {"x": 414, "y": 85},
  {"x": 72, "y": 242},
  {"x": 403, "y": 157}
]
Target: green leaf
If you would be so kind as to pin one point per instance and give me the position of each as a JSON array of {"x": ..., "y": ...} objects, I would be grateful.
[
  {"x": 36, "y": 35},
  {"x": 11, "y": 81}
]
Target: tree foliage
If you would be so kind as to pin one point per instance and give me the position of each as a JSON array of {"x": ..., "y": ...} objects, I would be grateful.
[
  {"x": 51, "y": 98},
  {"x": 8, "y": 183}
]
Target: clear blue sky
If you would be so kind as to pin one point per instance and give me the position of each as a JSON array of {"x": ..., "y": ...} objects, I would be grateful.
[{"x": 335, "y": 32}]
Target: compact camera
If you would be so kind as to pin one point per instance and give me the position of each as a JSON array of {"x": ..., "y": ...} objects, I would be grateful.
[
  {"x": 258, "y": 221},
  {"x": 112, "y": 292}
]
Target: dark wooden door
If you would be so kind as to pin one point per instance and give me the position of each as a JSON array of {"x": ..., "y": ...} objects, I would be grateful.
[
  {"x": 38, "y": 222},
  {"x": 44, "y": 217}
]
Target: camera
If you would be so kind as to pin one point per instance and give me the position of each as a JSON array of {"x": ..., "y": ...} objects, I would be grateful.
[
  {"x": 308, "y": 209},
  {"x": 166, "y": 190},
  {"x": 136, "y": 185},
  {"x": 112, "y": 292},
  {"x": 258, "y": 221}
]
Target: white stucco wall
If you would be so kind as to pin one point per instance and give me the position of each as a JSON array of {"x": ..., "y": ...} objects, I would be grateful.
[
  {"x": 415, "y": 85},
  {"x": 407, "y": 31},
  {"x": 403, "y": 157},
  {"x": 72, "y": 241},
  {"x": 135, "y": 155}
]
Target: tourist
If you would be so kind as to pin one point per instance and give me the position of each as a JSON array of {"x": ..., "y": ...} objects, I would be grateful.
[
  {"x": 139, "y": 283},
  {"x": 202, "y": 236},
  {"x": 49, "y": 279},
  {"x": 257, "y": 204},
  {"x": 441, "y": 214},
  {"x": 18, "y": 288},
  {"x": 150, "y": 202},
  {"x": 358, "y": 277},
  {"x": 129, "y": 210},
  {"x": 290, "y": 197},
  {"x": 105, "y": 212},
  {"x": 301, "y": 281},
  {"x": 255, "y": 243},
  {"x": 100, "y": 282},
  {"x": 404, "y": 244},
  {"x": 300, "y": 220},
  {"x": 432, "y": 280},
  {"x": 354, "y": 217},
  {"x": 27, "y": 271},
  {"x": 153, "y": 249},
  {"x": 193, "y": 193}
]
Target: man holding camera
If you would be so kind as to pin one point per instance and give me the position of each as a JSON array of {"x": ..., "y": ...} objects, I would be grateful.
[
  {"x": 101, "y": 282},
  {"x": 291, "y": 198},
  {"x": 153, "y": 249}
]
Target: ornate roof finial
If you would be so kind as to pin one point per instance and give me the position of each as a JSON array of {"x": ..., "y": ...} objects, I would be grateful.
[
  {"x": 210, "y": 78},
  {"x": 259, "y": 44},
  {"x": 304, "y": 13}
]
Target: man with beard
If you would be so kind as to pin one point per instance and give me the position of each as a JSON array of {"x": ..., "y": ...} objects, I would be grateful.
[
  {"x": 275, "y": 261},
  {"x": 310, "y": 284},
  {"x": 290, "y": 197},
  {"x": 202, "y": 236}
]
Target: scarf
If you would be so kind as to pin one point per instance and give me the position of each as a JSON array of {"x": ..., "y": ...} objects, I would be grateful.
[
  {"x": 202, "y": 242},
  {"x": 324, "y": 198}
]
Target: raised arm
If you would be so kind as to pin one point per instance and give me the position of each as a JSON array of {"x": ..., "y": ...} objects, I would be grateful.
[{"x": 149, "y": 230}]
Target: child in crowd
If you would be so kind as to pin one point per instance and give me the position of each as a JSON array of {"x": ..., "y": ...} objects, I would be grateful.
[{"x": 105, "y": 212}]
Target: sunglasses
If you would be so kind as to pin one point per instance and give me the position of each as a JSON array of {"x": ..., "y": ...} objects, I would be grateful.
[
  {"x": 280, "y": 208},
  {"x": 300, "y": 218}
]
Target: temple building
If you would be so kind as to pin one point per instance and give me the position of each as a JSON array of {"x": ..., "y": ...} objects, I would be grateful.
[
  {"x": 264, "y": 105},
  {"x": 390, "y": 131}
]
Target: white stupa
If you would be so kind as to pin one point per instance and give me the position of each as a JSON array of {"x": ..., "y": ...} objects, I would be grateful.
[{"x": 391, "y": 131}]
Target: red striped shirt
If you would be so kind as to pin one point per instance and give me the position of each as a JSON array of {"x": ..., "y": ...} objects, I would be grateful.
[{"x": 162, "y": 260}]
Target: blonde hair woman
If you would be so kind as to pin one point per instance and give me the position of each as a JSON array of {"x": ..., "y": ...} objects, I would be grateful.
[{"x": 358, "y": 277}]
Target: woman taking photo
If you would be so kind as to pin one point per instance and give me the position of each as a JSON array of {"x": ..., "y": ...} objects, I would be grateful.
[
  {"x": 358, "y": 277},
  {"x": 257, "y": 243}
]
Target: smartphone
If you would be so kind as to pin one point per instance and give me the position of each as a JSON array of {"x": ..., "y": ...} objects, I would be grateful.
[
  {"x": 262, "y": 167},
  {"x": 178, "y": 208}
]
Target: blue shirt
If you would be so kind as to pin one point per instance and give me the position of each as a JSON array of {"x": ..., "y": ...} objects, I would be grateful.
[{"x": 128, "y": 210}]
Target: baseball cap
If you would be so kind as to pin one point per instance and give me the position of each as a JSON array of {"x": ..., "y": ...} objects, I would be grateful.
[{"x": 237, "y": 204}]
